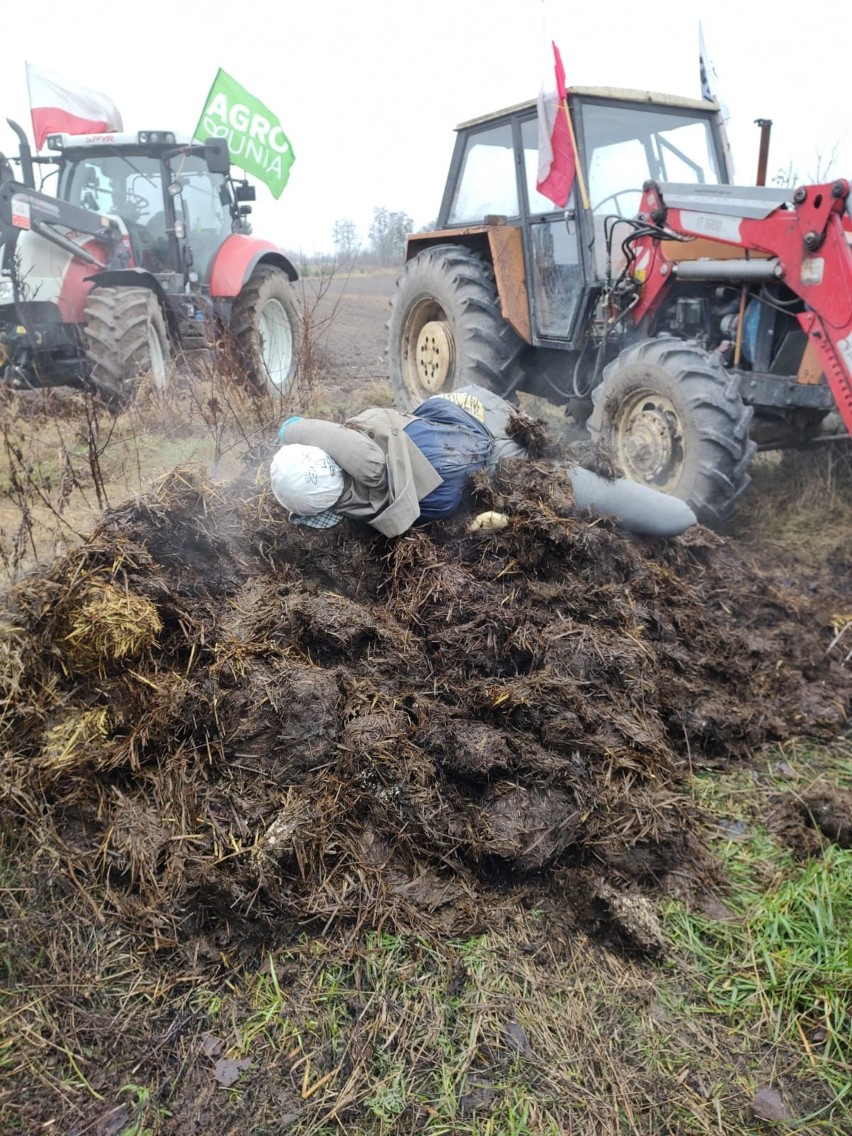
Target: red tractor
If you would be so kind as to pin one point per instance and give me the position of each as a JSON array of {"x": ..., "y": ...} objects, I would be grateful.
[
  {"x": 683, "y": 321},
  {"x": 142, "y": 252}
]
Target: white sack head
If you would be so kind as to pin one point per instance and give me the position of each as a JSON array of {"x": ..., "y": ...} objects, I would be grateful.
[{"x": 305, "y": 480}]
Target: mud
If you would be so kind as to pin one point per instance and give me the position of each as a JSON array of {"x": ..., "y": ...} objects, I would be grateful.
[
  {"x": 230, "y": 726},
  {"x": 828, "y": 810}
]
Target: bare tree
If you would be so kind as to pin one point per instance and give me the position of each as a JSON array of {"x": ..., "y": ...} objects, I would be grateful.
[
  {"x": 387, "y": 234},
  {"x": 825, "y": 164},
  {"x": 345, "y": 237},
  {"x": 822, "y": 171}
]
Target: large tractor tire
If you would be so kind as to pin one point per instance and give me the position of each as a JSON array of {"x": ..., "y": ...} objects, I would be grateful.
[
  {"x": 673, "y": 419},
  {"x": 446, "y": 329},
  {"x": 126, "y": 338},
  {"x": 265, "y": 326}
]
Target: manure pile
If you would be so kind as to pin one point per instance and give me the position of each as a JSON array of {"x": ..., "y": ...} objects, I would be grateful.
[{"x": 214, "y": 719}]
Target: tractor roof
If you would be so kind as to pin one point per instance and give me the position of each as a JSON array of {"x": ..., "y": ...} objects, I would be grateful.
[
  {"x": 610, "y": 93},
  {"x": 124, "y": 140}
]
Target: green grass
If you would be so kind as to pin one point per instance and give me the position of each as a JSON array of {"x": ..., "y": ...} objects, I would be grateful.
[
  {"x": 144, "y": 1113},
  {"x": 781, "y": 968},
  {"x": 404, "y": 1030}
]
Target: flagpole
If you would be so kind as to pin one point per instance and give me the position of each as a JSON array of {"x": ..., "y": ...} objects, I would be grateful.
[
  {"x": 584, "y": 196},
  {"x": 710, "y": 91}
]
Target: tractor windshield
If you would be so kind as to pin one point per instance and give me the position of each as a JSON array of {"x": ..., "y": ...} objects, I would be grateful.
[
  {"x": 130, "y": 187},
  {"x": 626, "y": 144},
  {"x": 136, "y": 187}
]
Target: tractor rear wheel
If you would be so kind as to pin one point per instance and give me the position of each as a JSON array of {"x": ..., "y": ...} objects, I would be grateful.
[
  {"x": 265, "y": 327},
  {"x": 126, "y": 338},
  {"x": 446, "y": 328},
  {"x": 673, "y": 418}
]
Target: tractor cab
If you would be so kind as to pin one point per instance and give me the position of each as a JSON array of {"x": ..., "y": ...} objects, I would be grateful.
[
  {"x": 680, "y": 321},
  {"x": 176, "y": 204},
  {"x": 624, "y": 138}
]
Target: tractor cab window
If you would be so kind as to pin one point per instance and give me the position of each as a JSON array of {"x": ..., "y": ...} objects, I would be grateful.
[
  {"x": 554, "y": 250},
  {"x": 205, "y": 209},
  {"x": 487, "y": 184},
  {"x": 131, "y": 188},
  {"x": 136, "y": 186},
  {"x": 625, "y": 145}
]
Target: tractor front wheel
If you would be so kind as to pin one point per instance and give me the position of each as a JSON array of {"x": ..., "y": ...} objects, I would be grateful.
[
  {"x": 126, "y": 338},
  {"x": 673, "y": 419},
  {"x": 265, "y": 327},
  {"x": 446, "y": 328}
]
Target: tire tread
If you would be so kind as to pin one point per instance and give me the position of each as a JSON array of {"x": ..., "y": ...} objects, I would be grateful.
[{"x": 717, "y": 414}]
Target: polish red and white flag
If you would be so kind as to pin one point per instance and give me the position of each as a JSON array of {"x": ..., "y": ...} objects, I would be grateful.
[
  {"x": 557, "y": 162},
  {"x": 62, "y": 107}
]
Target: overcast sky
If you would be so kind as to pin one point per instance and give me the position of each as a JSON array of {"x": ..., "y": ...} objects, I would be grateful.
[{"x": 369, "y": 92}]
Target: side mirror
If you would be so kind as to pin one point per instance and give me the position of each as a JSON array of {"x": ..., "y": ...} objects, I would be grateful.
[
  {"x": 245, "y": 192},
  {"x": 217, "y": 156}
]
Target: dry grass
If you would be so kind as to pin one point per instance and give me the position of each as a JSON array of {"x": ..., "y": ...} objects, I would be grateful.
[
  {"x": 66, "y": 459},
  {"x": 107, "y": 624},
  {"x": 800, "y": 502}
]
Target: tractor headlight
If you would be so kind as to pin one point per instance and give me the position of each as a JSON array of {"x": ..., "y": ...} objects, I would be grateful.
[
  {"x": 7, "y": 292},
  {"x": 145, "y": 136}
]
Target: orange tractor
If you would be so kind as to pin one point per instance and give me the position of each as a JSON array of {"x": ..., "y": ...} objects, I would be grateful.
[{"x": 682, "y": 320}]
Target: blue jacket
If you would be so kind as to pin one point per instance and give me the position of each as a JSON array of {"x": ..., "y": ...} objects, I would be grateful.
[{"x": 455, "y": 444}]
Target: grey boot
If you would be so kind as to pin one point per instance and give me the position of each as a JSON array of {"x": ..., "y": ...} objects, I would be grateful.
[{"x": 637, "y": 508}]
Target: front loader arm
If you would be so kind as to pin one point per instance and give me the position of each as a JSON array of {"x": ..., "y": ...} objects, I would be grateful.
[
  {"x": 22, "y": 208},
  {"x": 803, "y": 241}
]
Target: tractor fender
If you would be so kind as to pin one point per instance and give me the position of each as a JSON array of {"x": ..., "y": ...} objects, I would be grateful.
[
  {"x": 50, "y": 274},
  {"x": 502, "y": 246},
  {"x": 236, "y": 260}
]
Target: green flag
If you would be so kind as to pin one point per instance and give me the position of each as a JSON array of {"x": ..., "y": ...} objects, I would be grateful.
[{"x": 256, "y": 142}]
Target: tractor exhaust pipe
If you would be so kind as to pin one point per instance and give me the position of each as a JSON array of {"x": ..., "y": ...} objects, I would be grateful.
[
  {"x": 765, "y": 125},
  {"x": 26, "y": 155}
]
